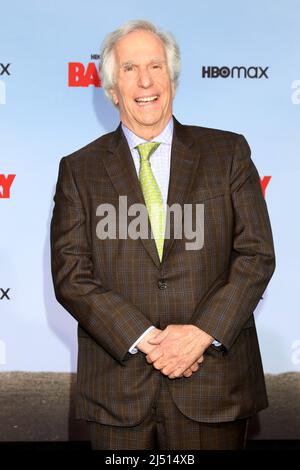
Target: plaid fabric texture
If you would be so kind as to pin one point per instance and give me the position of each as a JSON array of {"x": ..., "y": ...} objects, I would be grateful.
[
  {"x": 113, "y": 288},
  {"x": 166, "y": 428}
]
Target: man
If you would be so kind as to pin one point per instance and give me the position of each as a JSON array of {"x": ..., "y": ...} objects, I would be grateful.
[{"x": 168, "y": 352}]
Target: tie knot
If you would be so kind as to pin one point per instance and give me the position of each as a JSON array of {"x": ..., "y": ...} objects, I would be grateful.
[{"x": 146, "y": 149}]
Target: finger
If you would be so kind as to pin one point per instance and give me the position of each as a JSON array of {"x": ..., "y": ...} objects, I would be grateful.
[
  {"x": 187, "y": 373},
  {"x": 168, "y": 363},
  {"x": 165, "y": 365},
  {"x": 158, "y": 338},
  {"x": 176, "y": 374},
  {"x": 154, "y": 355}
]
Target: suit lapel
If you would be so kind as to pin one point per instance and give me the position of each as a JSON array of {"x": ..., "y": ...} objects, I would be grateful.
[
  {"x": 183, "y": 169},
  {"x": 121, "y": 170}
]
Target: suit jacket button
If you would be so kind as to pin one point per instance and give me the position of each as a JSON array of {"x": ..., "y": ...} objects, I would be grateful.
[{"x": 162, "y": 284}]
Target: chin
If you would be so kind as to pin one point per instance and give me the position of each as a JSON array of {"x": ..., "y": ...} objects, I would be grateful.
[{"x": 150, "y": 120}]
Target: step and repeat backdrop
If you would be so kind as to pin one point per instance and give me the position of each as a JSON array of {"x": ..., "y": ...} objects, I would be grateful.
[{"x": 240, "y": 72}]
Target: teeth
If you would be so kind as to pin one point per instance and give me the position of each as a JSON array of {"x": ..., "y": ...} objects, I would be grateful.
[{"x": 145, "y": 100}]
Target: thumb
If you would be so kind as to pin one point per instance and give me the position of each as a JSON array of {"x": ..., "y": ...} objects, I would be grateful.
[{"x": 158, "y": 338}]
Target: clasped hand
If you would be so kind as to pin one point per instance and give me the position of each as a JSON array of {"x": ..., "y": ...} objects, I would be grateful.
[{"x": 177, "y": 350}]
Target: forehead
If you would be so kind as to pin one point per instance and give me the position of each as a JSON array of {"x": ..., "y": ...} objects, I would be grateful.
[{"x": 139, "y": 46}]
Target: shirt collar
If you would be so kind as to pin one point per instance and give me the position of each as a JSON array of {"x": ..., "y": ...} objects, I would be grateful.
[{"x": 165, "y": 137}]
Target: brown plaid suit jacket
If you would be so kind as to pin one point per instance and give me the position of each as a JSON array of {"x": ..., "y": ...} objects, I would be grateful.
[{"x": 113, "y": 288}]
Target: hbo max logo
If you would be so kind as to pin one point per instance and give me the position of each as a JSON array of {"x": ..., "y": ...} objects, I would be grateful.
[{"x": 234, "y": 72}]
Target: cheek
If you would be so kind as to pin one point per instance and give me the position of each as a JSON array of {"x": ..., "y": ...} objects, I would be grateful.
[
  {"x": 126, "y": 95},
  {"x": 166, "y": 87}
]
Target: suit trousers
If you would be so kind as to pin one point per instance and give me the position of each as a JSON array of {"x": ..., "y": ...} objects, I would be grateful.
[{"x": 165, "y": 427}]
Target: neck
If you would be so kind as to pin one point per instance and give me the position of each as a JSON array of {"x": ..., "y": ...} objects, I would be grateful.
[{"x": 147, "y": 132}]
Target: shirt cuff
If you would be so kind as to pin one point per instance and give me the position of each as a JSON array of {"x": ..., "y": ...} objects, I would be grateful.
[
  {"x": 217, "y": 343},
  {"x": 134, "y": 350}
]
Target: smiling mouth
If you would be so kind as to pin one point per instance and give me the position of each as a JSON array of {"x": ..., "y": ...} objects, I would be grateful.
[{"x": 146, "y": 100}]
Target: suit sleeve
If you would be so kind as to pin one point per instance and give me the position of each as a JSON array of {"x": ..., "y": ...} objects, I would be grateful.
[
  {"x": 224, "y": 313},
  {"x": 112, "y": 321}
]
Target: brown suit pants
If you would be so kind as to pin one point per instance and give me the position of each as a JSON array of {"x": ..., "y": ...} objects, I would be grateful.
[{"x": 168, "y": 429}]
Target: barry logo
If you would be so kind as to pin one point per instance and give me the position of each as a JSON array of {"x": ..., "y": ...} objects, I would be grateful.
[
  {"x": 80, "y": 75},
  {"x": 264, "y": 181},
  {"x": 6, "y": 182}
]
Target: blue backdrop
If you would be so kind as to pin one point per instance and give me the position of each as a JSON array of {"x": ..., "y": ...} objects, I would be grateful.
[{"x": 43, "y": 119}]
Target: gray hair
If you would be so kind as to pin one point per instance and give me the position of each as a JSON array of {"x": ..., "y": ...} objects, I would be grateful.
[{"x": 107, "y": 56}]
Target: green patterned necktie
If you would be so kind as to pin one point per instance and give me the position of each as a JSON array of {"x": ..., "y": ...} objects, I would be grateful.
[{"x": 152, "y": 194}]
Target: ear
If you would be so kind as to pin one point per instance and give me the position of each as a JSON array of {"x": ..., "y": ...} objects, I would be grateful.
[{"x": 114, "y": 96}]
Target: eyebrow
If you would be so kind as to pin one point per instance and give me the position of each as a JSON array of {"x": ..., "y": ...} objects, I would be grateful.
[{"x": 152, "y": 61}]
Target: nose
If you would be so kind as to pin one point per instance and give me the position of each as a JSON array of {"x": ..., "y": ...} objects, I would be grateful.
[{"x": 145, "y": 78}]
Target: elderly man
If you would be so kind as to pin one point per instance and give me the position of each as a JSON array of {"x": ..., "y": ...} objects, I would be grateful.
[{"x": 168, "y": 353}]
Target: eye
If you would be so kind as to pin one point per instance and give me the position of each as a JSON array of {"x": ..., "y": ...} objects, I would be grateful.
[
  {"x": 128, "y": 68},
  {"x": 156, "y": 66}
]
